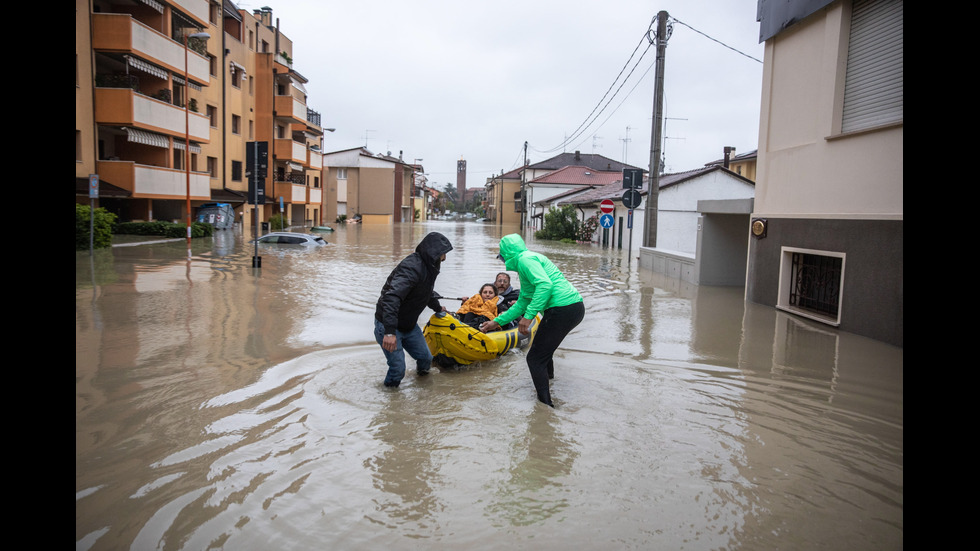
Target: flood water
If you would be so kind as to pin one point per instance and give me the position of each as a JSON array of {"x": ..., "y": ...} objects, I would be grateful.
[{"x": 220, "y": 407}]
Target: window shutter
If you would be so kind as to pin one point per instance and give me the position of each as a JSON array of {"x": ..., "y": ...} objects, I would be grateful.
[{"x": 873, "y": 91}]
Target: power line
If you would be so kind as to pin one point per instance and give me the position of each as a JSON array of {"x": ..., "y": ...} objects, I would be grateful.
[
  {"x": 715, "y": 40},
  {"x": 589, "y": 119}
]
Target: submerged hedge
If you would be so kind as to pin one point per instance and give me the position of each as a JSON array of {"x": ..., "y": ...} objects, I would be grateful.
[
  {"x": 102, "y": 227},
  {"x": 164, "y": 229}
]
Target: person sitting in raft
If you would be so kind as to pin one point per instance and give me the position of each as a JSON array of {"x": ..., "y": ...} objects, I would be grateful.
[
  {"x": 480, "y": 307},
  {"x": 507, "y": 296}
]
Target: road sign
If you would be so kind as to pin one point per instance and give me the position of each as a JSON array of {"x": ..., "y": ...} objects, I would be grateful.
[
  {"x": 607, "y": 206},
  {"x": 606, "y": 221},
  {"x": 632, "y": 178},
  {"x": 256, "y": 170},
  {"x": 631, "y": 199}
]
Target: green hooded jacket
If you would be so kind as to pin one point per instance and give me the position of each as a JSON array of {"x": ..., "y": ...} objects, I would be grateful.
[{"x": 542, "y": 285}]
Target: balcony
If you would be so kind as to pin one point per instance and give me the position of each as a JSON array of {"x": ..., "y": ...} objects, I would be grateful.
[
  {"x": 194, "y": 8},
  {"x": 153, "y": 182},
  {"x": 291, "y": 108},
  {"x": 125, "y": 107},
  {"x": 316, "y": 160},
  {"x": 118, "y": 32},
  {"x": 314, "y": 196},
  {"x": 292, "y": 151}
]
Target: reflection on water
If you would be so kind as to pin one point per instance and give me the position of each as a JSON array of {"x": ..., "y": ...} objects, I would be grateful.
[{"x": 219, "y": 406}]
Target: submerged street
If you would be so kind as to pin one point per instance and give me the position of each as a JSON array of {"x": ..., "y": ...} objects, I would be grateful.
[{"x": 222, "y": 407}]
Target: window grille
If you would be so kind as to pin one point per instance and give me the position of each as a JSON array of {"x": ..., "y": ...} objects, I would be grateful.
[{"x": 816, "y": 283}]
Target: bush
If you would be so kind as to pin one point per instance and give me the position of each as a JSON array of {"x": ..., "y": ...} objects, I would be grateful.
[
  {"x": 341, "y": 219},
  {"x": 102, "y": 226},
  {"x": 165, "y": 229},
  {"x": 278, "y": 222},
  {"x": 588, "y": 228},
  {"x": 560, "y": 223}
]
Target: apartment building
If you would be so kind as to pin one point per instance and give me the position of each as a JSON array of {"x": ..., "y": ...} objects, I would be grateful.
[
  {"x": 503, "y": 197},
  {"x": 156, "y": 79},
  {"x": 375, "y": 187}
]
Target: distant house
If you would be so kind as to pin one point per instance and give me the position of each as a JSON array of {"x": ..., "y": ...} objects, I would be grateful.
[
  {"x": 377, "y": 187},
  {"x": 743, "y": 164},
  {"x": 569, "y": 178},
  {"x": 828, "y": 224},
  {"x": 680, "y": 219},
  {"x": 588, "y": 160},
  {"x": 503, "y": 198}
]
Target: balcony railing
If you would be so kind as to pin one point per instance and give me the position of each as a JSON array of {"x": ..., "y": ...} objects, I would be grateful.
[{"x": 313, "y": 117}]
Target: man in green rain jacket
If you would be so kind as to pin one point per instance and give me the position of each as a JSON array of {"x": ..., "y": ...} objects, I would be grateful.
[{"x": 544, "y": 289}]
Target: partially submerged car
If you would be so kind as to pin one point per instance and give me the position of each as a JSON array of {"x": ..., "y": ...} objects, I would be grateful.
[{"x": 290, "y": 238}]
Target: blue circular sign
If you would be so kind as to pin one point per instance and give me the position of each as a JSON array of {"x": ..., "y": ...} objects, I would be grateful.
[{"x": 606, "y": 221}]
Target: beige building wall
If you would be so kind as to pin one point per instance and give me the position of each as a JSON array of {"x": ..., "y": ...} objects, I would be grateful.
[
  {"x": 85, "y": 146},
  {"x": 833, "y": 174},
  {"x": 827, "y": 229},
  {"x": 375, "y": 191}
]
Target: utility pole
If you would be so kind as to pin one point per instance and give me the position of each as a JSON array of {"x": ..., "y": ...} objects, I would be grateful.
[
  {"x": 523, "y": 192},
  {"x": 653, "y": 191}
]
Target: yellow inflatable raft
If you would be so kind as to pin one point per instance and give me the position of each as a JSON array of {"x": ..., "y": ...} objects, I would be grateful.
[{"x": 452, "y": 342}]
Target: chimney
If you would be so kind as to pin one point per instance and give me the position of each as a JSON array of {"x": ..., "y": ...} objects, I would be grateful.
[
  {"x": 728, "y": 155},
  {"x": 578, "y": 155}
]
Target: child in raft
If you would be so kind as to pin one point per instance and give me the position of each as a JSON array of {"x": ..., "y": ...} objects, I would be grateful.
[{"x": 480, "y": 307}]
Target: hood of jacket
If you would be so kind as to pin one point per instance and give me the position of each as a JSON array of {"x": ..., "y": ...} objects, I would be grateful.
[
  {"x": 432, "y": 247},
  {"x": 511, "y": 247}
]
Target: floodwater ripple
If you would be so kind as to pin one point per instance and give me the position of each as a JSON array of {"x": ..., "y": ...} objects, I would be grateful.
[{"x": 221, "y": 407}]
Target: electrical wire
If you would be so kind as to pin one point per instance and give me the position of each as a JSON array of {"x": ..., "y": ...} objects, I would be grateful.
[
  {"x": 590, "y": 119},
  {"x": 715, "y": 40}
]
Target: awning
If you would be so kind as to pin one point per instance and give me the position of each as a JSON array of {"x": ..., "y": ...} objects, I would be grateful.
[
  {"x": 147, "y": 138},
  {"x": 154, "y": 4},
  {"x": 147, "y": 68},
  {"x": 295, "y": 167},
  {"x": 180, "y": 80},
  {"x": 178, "y": 144}
]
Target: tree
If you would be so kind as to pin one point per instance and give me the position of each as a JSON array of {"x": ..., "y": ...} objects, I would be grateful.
[{"x": 560, "y": 223}]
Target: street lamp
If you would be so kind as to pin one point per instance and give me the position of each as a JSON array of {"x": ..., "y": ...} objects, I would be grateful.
[{"x": 187, "y": 133}]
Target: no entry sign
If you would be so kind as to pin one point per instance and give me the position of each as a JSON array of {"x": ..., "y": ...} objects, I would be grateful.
[{"x": 606, "y": 206}]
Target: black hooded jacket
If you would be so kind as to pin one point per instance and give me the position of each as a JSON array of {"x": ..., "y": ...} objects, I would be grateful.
[{"x": 409, "y": 288}]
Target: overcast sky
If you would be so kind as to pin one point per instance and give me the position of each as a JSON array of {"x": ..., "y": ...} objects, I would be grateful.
[{"x": 445, "y": 80}]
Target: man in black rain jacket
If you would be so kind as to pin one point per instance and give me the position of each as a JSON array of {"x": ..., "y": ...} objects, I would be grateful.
[{"x": 408, "y": 290}]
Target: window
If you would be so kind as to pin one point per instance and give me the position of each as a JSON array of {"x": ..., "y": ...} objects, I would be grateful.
[
  {"x": 236, "y": 171},
  {"x": 237, "y": 74},
  {"x": 78, "y": 145},
  {"x": 213, "y": 116},
  {"x": 213, "y": 167},
  {"x": 236, "y": 124},
  {"x": 341, "y": 173},
  {"x": 251, "y": 130},
  {"x": 811, "y": 283},
  {"x": 213, "y": 65},
  {"x": 874, "y": 82},
  {"x": 316, "y": 181}
]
